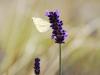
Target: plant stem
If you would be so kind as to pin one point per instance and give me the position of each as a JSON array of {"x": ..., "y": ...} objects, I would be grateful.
[{"x": 60, "y": 62}]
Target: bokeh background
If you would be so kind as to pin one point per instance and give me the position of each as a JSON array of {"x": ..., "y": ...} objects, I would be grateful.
[{"x": 20, "y": 41}]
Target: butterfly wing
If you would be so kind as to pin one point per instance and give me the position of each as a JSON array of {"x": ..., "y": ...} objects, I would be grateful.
[{"x": 41, "y": 24}]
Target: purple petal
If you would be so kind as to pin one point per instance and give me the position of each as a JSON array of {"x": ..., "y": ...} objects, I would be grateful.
[
  {"x": 57, "y": 12},
  {"x": 47, "y": 13}
]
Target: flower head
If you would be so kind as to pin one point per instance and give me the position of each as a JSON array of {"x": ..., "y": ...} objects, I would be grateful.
[
  {"x": 37, "y": 66},
  {"x": 58, "y": 33}
]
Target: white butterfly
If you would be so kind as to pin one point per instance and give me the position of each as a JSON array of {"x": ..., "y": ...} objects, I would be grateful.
[{"x": 41, "y": 24}]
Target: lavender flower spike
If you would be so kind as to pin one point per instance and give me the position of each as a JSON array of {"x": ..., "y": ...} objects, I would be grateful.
[
  {"x": 58, "y": 33},
  {"x": 37, "y": 66}
]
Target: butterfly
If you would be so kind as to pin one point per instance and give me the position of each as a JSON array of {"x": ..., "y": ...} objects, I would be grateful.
[{"x": 41, "y": 24}]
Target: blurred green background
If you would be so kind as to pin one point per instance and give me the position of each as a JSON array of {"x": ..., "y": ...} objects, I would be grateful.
[{"x": 20, "y": 41}]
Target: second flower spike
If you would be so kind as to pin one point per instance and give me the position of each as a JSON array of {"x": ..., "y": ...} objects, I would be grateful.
[{"x": 37, "y": 66}]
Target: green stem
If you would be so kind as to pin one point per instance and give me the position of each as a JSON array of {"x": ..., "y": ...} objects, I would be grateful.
[{"x": 60, "y": 61}]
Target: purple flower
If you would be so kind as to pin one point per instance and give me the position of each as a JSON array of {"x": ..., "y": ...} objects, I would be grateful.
[
  {"x": 37, "y": 66},
  {"x": 58, "y": 33}
]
